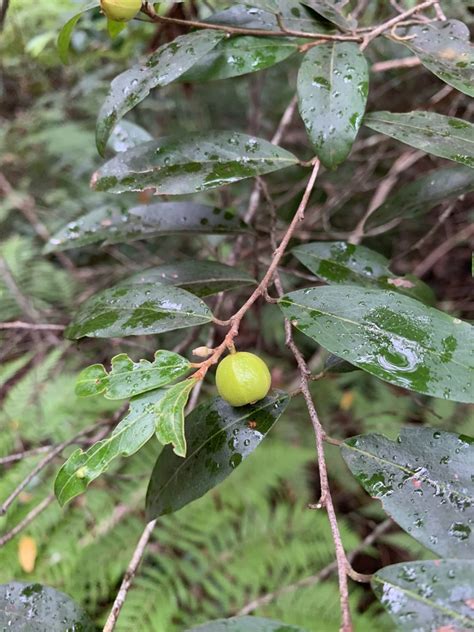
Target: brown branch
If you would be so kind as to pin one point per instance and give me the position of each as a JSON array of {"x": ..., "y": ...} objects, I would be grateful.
[
  {"x": 19, "y": 456},
  {"x": 425, "y": 266},
  {"x": 28, "y": 519},
  {"x": 18, "y": 324},
  {"x": 128, "y": 577},
  {"x": 391, "y": 64}
]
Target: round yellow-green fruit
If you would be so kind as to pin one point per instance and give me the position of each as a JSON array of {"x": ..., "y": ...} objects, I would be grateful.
[
  {"x": 121, "y": 10},
  {"x": 242, "y": 378}
]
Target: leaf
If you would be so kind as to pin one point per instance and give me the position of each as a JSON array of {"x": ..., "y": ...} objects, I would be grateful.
[
  {"x": 132, "y": 311},
  {"x": 333, "y": 85},
  {"x": 201, "y": 278},
  {"x": 164, "y": 66},
  {"x": 240, "y": 56},
  {"x": 430, "y": 595},
  {"x": 423, "y": 480},
  {"x": 338, "y": 262},
  {"x": 331, "y": 12},
  {"x": 114, "y": 225},
  {"x": 128, "y": 378},
  {"x": 133, "y": 431},
  {"x": 169, "y": 416},
  {"x": 115, "y": 28},
  {"x": 27, "y": 607},
  {"x": 126, "y": 135},
  {"x": 263, "y": 14},
  {"x": 436, "y": 134},
  {"x": 175, "y": 165},
  {"x": 65, "y": 34},
  {"x": 391, "y": 336},
  {"x": 444, "y": 48},
  {"x": 27, "y": 552},
  {"x": 418, "y": 197},
  {"x": 245, "y": 624},
  {"x": 219, "y": 437}
]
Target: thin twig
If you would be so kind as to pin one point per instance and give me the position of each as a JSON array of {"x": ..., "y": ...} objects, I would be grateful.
[
  {"x": 19, "y": 324},
  {"x": 315, "y": 579},
  {"x": 425, "y": 266},
  {"x": 28, "y": 519},
  {"x": 391, "y": 64},
  {"x": 19, "y": 456},
  {"x": 128, "y": 577}
]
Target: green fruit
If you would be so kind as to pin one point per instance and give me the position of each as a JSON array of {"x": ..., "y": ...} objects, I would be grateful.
[
  {"x": 242, "y": 378},
  {"x": 121, "y": 10}
]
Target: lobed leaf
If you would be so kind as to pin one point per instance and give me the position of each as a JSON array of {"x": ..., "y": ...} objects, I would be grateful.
[
  {"x": 429, "y": 595},
  {"x": 114, "y": 225},
  {"x": 127, "y": 378},
  {"x": 176, "y": 165},
  {"x": 391, "y": 336},
  {"x": 338, "y": 262},
  {"x": 133, "y": 431},
  {"x": 201, "y": 278},
  {"x": 149, "y": 308},
  {"x": 424, "y": 482},
  {"x": 436, "y": 134},
  {"x": 333, "y": 85},
  {"x": 26, "y": 607},
  {"x": 164, "y": 66},
  {"x": 445, "y": 49},
  {"x": 219, "y": 438},
  {"x": 169, "y": 416}
]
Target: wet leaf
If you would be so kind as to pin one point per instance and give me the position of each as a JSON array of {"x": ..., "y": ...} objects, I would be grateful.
[
  {"x": 263, "y": 14},
  {"x": 424, "y": 482},
  {"x": 333, "y": 85},
  {"x": 334, "y": 364},
  {"x": 445, "y": 49},
  {"x": 430, "y": 595},
  {"x": 201, "y": 278},
  {"x": 133, "y": 431},
  {"x": 331, "y": 11},
  {"x": 126, "y": 135},
  {"x": 418, "y": 197},
  {"x": 27, "y": 607},
  {"x": 245, "y": 624},
  {"x": 127, "y": 378},
  {"x": 150, "y": 308},
  {"x": 176, "y": 165},
  {"x": 338, "y": 262},
  {"x": 391, "y": 336},
  {"x": 169, "y": 416},
  {"x": 436, "y": 134},
  {"x": 27, "y": 552},
  {"x": 240, "y": 56},
  {"x": 219, "y": 437},
  {"x": 113, "y": 225},
  {"x": 163, "y": 66},
  {"x": 65, "y": 34}
]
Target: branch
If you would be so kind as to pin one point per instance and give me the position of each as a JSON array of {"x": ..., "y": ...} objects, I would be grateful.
[
  {"x": 18, "y": 324},
  {"x": 439, "y": 252},
  {"x": 19, "y": 456},
  {"x": 27, "y": 520},
  {"x": 128, "y": 577}
]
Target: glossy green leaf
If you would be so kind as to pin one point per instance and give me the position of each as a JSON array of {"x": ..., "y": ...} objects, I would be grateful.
[
  {"x": 115, "y": 28},
  {"x": 164, "y": 66},
  {"x": 189, "y": 163},
  {"x": 263, "y": 14},
  {"x": 419, "y": 196},
  {"x": 37, "y": 608},
  {"x": 331, "y": 11},
  {"x": 445, "y": 49},
  {"x": 391, "y": 336},
  {"x": 424, "y": 482},
  {"x": 430, "y": 595},
  {"x": 133, "y": 431},
  {"x": 338, "y": 262},
  {"x": 219, "y": 437},
  {"x": 201, "y": 278},
  {"x": 240, "y": 56},
  {"x": 333, "y": 85},
  {"x": 126, "y": 135},
  {"x": 169, "y": 416},
  {"x": 114, "y": 225},
  {"x": 335, "y": 364},
  {"x": 132, "y": 311},
  {"x": 437, "y": 134},
  {"x": 128, "y": 378},
  {"x": 245, "y": 624},
  {"x": 65, "y": 34}
]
